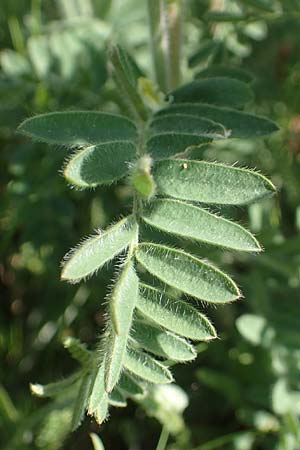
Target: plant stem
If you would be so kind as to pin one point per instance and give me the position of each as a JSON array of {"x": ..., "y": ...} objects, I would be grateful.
[
  {"x": 165, "y": 23},
  {"x": 163, "y": 439}
]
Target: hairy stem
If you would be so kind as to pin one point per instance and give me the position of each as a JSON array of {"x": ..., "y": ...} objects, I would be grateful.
[{"x": 165, "y": 22}]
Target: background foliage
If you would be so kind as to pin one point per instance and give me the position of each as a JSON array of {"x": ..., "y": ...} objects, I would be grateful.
[{"x": 243, "y": 390}]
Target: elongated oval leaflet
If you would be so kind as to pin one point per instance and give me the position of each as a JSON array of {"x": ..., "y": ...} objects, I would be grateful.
[
  {"x": 206, "y": 50},
  {"x": 78, "y": 350},
  {"x": 242, "y": 125},
  {"x": 114, "y": 359},
  {"x": 100, "y": 164},
  {"x": 129, "y": 386},
  {"x": 219, "y": 70},
  {"x": 161, "y": 342},
  {"x": 217, "y": 91},
  {"x": 96, "y": 441},
  {"x": 146, "y": 367},
  {"x": 265, "y": 5},
  {"x": 55, "y": 389},
  {"x": 74, "y": 128},
  {"x": 187, "y": 273},
  {"x": 123, "y": 300},
  {"x": 183, "y": 219},
  {"x": 164, "y": 145},
  {"x": 187, "y": 124},
  {"x": 97, "y": 250},
  {"x": 117, "y": 399},
  {"x": 224, "y": 16},
  {"x": 98, "y": 391},
  {"x": 102, "y": 410},
  {"x": 173, "y": 314},
  {"x": 81, "y": 401},
  {"x": 129, "y": 65},
  {"x": 210, "y": 182}
]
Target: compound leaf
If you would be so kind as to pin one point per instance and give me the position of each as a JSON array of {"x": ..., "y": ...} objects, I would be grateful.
[
  {"x": 174, "y": 314},
  {"x": 76, "y": 128},
  {"x": 146, "y": 367},
  {"x": 210, "y": 182},
  {"x": 187, "y": 273},
  {"x": 162, "y": 343},
  {"x": 241, "y": 124},
  {"x": 100, "y": 164},
  {"x": 189, "y": 221},
  {"x": 97, "y": 250},
  {"x": 217, "y": 91}
]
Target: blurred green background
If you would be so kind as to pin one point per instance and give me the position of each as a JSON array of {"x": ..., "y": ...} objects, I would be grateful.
[{"x": 243, "y": 391}]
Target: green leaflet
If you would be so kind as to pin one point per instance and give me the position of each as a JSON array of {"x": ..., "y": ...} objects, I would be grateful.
[
  {"x": 81, "y": 401},
  {"x": 241, "y": 124},
  {"x": 101, "y": 412},
  {"x": 114, "y": 359},
  {"x": 117, "y": 399},
  {"x": 98, "y": 393},
  {"x": 78, "y": 350},
  {"x": 265, "y": 5},
  {"x": 100, "y": 164},
  {"x": 97, "y": 250},
  {"x": 174, "y": 314},
  {"x": 96, "y": 441},
  {"x": 146, "y": 367},
  {"x": 209, "y": 182},
  {"x": 205, "y": 51},
  {"x": 75, "y": 128},
  {"x": 217, "y": 91},
  {"x": 189, "y": 221},
  {"x": 165, "y": 145},
  {"x": 187, "y": 273},
  {"x": 122, "y": 303},
  {"x": 126, "y": 73},
  {"x": 129, "y": 66},
  {"x": 54, "y": 389},
  {"x": 162, "y": 343},
  {"x": 224, "y": 16},
  {"x": 219, "y": 70},
  {"x": 252, "y": 328},
  {"x": 173, "y": 133},
  {"x": 123, "y": 300},
  {"x": 39, "y": 55},
  {"x": 129, "y": 386},
  {"x": 186, "y": 124}
]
